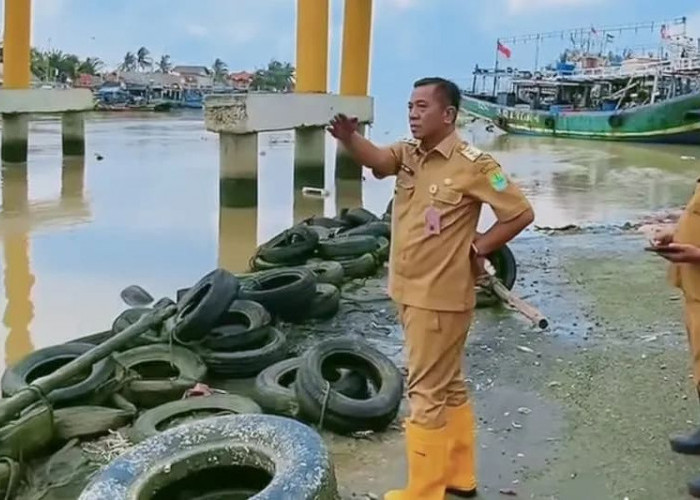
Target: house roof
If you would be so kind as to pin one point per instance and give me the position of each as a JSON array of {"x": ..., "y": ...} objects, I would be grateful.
[
  {"x": 153, "y": 79},
  {"x": 192, "y": 70}
]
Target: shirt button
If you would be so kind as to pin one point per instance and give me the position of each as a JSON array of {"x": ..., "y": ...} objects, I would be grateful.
[
  {"x": 433, "y": 188},
  {"x": 448, "y": 182}
]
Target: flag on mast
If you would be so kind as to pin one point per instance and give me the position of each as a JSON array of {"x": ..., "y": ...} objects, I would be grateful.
[{"x": 503, "y": 49}]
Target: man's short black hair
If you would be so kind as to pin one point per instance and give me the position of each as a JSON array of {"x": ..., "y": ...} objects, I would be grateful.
[{"x": 448, "y": 90}]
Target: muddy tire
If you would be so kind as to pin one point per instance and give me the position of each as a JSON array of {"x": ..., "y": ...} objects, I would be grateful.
[
  {"x": 291, "y": 247},
  {"x": 375, "y": 229},
  {"x": 163, "y": 417},
  {"x": 45, "y": 361},
  {"x": 274, "y": 386},
  {"x": 358, "y": 216},
  {"x": 203, "y": 304},
  {"x": 382, "y": 253},
  {"x": 327, "y": 271},
  {"x": 164, "y": 303},
  {"x": 325, "y": 303},
  {"x": 128, "y": 318},
  {"x": 136, "y": 296},
  {"x": 347, "y": 247},
  {"x": 164, "y": 373},
  {"x": 242, "y": 326},
  {"x": 322, "y": 232},
  {"x": 88, "y": 421},
  {"x": 281, "y": 291},
  {"x": 294, "y": 460},
  {"x": 344, "y": 414},
  {"x": 505, "y": 266},
  {"x": 248, "y": 363},
  {"x": 325, "y": 222},
  {"x": 359, "y": 267},
  {"x": 30, "y": 435},
  {"x": 259, "y": 264}
]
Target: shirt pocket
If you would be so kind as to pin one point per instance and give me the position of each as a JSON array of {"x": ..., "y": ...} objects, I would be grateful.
[{"x": 447, "y": 198}]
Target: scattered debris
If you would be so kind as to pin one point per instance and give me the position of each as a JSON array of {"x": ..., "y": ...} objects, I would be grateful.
[
  {"x": 524, "y": 410},
  {"x": 525, "y": 349},
  {"x": 508, "y": 492}
]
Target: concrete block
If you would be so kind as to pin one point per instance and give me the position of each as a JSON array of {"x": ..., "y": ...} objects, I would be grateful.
[
  {"x": 45, "y": 100},
  {"x": 15, "y": 132},
  {"x": 73, "y": 134},
  {"x": 263, "y": 112}
]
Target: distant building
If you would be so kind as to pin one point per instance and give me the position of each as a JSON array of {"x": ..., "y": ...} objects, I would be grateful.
[
  {"x": 199, "y": 77},
  {"x": 241, "y": 80}
]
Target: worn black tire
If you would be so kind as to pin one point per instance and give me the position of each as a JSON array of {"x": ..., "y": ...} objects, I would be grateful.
[
  {"x": 203, "y": 304},
  {"x": 157, "y": 420},
  {"x": 358, "y": 216},
  {"x": 248, "y": 363},
  {"x": 47, "y": 360},
  {"x": 281, "y": 291},
  {"x": 291, "y": 247},
  {"x": 136, "y": 296},
  {"x": 325, "y": 222},
  {"x": 128, "y": 318},
  {"x": 505, "y": 265},
  {"x": 327, "y": 271},
  {"x": 164, "y": 303},
  {"x": 259, "y": 264},
  {"x": 325, "y": 303},
  {"x": 274, "y": 386},
  {"x": 150, "y": 392},
  {"x": 382, "y": 253},
  {"x": 375, "y": 229},
  {"x": 29, "y": 435},
  {"x": 292, "y": 453},
  {"x": 88, "y": 421},
  {"x": 242, "y": 326},
  {"x": 386, "y": 216},
  {"x": 343, "y": 414},
  {"x": 359, "y": 267},
  {"x": 322, "y": 232},
  {"x": 347, "y": 246}
]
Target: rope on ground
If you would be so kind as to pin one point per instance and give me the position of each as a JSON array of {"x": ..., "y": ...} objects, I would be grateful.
[{"x": 326, "y": 396}]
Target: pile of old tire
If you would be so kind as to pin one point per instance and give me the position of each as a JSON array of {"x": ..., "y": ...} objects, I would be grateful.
[
  {"x": 356, "y": 239},
  {"x": 233, "y": 456},
  {"x": 342, "y": 384}
]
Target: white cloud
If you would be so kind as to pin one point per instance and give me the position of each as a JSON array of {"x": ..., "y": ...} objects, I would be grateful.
[
  {"x": 522, "y": 6},
  {"x": 197, "y": 30}
]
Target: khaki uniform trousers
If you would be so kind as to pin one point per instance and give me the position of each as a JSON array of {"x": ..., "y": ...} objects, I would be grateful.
[
  {"x": 434, "y": 343},
  {"x": 692, "y": 325}
]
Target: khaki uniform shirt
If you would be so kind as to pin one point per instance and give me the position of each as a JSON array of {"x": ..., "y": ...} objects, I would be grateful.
[
  {"x": 434, "y": 271},
  {"x": 687, "y": 276}
]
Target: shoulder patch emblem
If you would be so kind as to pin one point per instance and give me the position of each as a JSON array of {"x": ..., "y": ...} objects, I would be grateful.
[
  {"x": 498, "y": 181},
  {"x": 470, "y": 152},
  {"x": 411, "y": 141}
]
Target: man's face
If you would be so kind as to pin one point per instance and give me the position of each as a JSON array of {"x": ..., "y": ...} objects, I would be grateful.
[{"x": 428, "y": 114}]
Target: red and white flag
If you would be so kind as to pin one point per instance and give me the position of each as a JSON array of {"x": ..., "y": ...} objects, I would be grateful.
[{"x": 503, "y": 49}]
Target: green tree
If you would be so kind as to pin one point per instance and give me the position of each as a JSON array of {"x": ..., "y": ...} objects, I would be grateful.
[
  {"x": 129, "y": 62},
  {"x": 164, "y": 65},
  {"x": 90, "y": 66},
  {"x": 277, "y": 77},
  {"x": 220, "y": 70},
  {"x": 143, "y": 59}
]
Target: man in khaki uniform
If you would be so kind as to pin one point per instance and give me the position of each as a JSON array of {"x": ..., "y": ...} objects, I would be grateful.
[
  {"x": 441, "y": 184},
  {"x": 681, "y": 246}
]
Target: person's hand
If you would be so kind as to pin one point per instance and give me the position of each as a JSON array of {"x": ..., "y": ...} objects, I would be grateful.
[
  {"x": 683, "y": 253},
  {"x": 341, "y": 127},
  {"x": 663, "y": 235}
]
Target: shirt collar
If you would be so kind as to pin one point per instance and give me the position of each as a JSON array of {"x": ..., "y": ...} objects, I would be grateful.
[{"x": 446, "y": 146}]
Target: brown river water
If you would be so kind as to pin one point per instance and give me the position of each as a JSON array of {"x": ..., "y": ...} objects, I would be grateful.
[{"x": 74, "y": 233}]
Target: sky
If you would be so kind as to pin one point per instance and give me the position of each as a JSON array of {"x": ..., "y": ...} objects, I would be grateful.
[{"x": 410, "y": 38}]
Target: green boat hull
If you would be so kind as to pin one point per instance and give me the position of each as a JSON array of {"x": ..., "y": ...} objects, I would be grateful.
[{"x": 672, "y": 121}]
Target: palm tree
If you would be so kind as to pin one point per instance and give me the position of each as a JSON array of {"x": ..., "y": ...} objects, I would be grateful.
[
  {"x": 90, "y": 66},
  {"x": 129, "y": 62},
  {"x": 38, "y": 63},
  {"x": 219, "y": 69},
  {"x": 277, "y": 77},
  {"x": 143, "y": 58},
  {"x": 164, "y": 65}
]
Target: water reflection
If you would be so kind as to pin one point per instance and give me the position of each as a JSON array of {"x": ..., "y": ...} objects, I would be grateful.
[{"x": 18, "y": 220}]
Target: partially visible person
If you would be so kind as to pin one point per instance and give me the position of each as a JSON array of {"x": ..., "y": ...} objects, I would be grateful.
[
  {"x": 441, "y": 185},
  {"x": 680, "y": 245}
]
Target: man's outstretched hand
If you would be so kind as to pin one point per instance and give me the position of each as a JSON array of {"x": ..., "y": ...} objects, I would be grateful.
[{"x": 342, "y": 127}]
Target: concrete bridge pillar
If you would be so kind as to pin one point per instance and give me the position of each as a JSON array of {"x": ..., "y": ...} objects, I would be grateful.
[
  {"x": 312, "y": 77},
  {"x": 354, "y": 77},
  {"x": 73, "y": 134}
]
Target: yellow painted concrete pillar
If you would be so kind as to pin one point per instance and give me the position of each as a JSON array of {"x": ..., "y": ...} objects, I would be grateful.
[
  {"x": 354, "y": 70},
  {"x": 357, "y": 34},
  {"x": 16, "y": 49},
  {"x": 312, "y": 46},
  {"x": 311, "y": 77}
]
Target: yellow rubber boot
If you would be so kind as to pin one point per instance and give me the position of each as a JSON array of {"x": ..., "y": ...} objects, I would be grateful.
[
  {"x": 461, "y": 442},
  {"x": 426, "y": 454}
]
